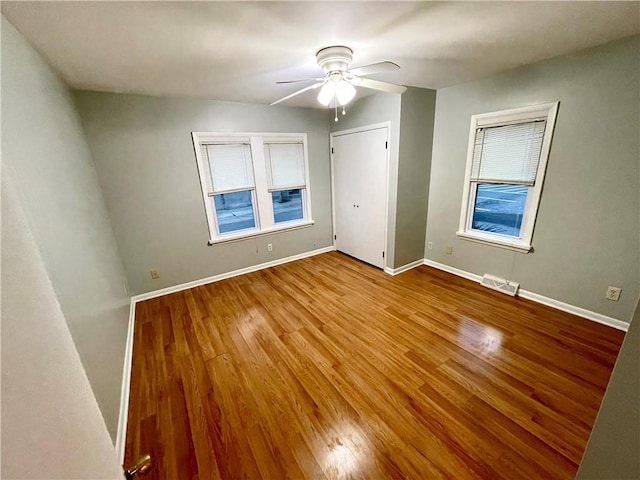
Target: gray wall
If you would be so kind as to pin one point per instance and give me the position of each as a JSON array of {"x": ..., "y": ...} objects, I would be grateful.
[
  {"x": 143, "y": 152},
  {"x": 586, "y": 235},
  {"x": 378, "y": 108},
  {"x": 42, "y": 140},
  {"x": 613, "y": 451},
  {"x": 416, "y": 137},
  {"x": 51, "y": 424}
]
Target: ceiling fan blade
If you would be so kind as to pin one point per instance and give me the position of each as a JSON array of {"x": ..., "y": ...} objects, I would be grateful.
[
  {"x": 382, "y": 86},
  {"x": 300, "y": 80},
  {"x": 310, "y": 87},
  {"x": 374, "y": 68}
]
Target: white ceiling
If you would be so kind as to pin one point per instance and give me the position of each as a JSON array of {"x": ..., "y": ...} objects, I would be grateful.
[{"x": 237, "y": 50}]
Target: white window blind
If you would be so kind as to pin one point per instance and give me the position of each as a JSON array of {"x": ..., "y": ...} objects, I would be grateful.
[
  {"x": 285, "y": 162},
  {"x": 230, "y": 167},
  {"x": 508, "y": 153}
]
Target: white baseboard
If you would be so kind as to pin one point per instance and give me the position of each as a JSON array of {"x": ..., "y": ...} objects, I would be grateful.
[
  {"x": 550, "y": 302},
  {"x": 121, "y": 435},
  {"x": 581, "y": 312},
  {"x": 234, "y": 273},
  {"x": 456, "y": 271},
  {"x": 404, "y": 268}
]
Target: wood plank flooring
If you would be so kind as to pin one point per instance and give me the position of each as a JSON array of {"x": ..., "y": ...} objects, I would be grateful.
[{"x": 327, "y": 368}]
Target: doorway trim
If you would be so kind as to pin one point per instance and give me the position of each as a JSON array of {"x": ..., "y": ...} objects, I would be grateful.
[{"x": 364, "y": 128}]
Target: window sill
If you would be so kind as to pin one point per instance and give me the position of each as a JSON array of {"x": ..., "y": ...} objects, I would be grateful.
[
  {"x": 515, "y": 246},
  {"x": 253, "y": 233}
]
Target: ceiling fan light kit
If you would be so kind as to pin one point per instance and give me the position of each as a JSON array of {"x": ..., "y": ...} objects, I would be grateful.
[
  {"x": 336, "y": 91},
  {"x": 338, "y": 87},
  {"x": 344, "y": 92},
  {"x": 327, "y": 92}
]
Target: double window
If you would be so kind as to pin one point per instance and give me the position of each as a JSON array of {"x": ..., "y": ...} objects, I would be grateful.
[
  {"x": 253, "y": 183},
  {"x": 506, "y": 163}
]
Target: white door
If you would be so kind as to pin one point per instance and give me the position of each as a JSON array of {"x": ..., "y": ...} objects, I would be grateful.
[{"x": 360, "y": 191}]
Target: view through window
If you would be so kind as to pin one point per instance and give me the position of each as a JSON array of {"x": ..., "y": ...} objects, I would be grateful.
[
  {"x": 287, "y": 205},
  {"x": 499, "y": 208},
  {"x": 234, "y": 211}
]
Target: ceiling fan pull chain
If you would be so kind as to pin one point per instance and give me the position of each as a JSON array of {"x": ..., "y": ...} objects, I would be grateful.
[
  {"x": 336, "y": 104},
  {"x": 344, "y": 109}
]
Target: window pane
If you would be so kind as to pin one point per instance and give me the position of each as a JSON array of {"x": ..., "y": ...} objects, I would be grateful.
[
  {"x": 234, "y": 211},
  {"x": 499, "y": 208},
  {"x": 287, "y": 205}
]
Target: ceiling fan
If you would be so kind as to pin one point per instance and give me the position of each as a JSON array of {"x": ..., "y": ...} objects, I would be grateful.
[{"x": 338, "y": 86}]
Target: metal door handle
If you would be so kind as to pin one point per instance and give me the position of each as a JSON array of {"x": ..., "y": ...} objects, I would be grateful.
[{"x": 141, "y": 467}]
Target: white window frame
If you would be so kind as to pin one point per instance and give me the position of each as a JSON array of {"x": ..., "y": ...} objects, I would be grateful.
[
  {"x": 262, "y": 202},
  {"x": 548, "y": 112}
]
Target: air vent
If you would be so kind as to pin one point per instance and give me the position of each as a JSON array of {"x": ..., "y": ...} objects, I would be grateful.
[{"x": 500, "y": 284}]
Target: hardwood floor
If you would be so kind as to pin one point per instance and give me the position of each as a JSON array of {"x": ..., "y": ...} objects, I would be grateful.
[{"x": 327, "y": 368}]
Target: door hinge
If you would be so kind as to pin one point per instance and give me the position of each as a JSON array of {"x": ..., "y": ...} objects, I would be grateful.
[
  {"x": 331, "y": 149},
  {"x": 335, "y": 237},
  {"x": 386, "y": 145},
  {"x": 382, "y": 254}
]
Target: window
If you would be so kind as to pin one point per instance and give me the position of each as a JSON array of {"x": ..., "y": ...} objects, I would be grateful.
[
  {"x": 253, "y": 184},
  {"x": 506, "y": 162},
  {"x": 285, "y": 163},
  {"x": 230, "y": 185}
]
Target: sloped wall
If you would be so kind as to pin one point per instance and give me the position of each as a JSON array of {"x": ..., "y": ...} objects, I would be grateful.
[{"x": 43, "y": 142}]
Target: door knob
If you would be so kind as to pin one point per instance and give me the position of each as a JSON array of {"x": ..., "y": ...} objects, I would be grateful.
[{"x": 141, "y": 467}]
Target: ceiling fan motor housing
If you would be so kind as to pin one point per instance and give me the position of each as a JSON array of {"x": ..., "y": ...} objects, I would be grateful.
[{"x": 332, "y": 59}]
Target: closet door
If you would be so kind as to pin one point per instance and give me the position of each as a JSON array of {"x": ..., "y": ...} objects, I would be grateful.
[
  {"x": 346, "y": 183},
  {"x": 360, "y": 183}
]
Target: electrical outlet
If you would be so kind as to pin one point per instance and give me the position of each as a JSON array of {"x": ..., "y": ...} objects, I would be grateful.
[
  {"x": 270, "y": 247},
  {"x": 154, "y": 274},
  {"x": 430, "y": 245},
  {"x": 449, "y": 250},
  {"x": 613, "y": 293}
]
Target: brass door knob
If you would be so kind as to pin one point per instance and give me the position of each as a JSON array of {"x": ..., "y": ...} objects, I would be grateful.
[{"x": 141, "y": 467}]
